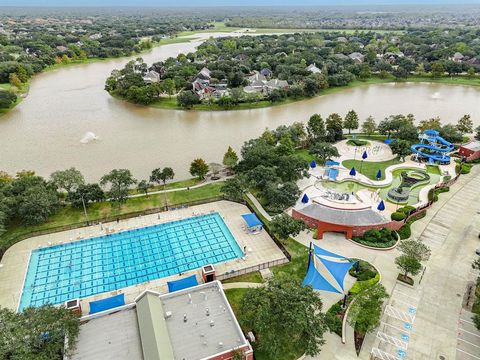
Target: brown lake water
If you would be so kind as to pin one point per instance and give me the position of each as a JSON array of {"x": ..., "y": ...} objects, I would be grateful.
[{"x": 44, "y": 132}]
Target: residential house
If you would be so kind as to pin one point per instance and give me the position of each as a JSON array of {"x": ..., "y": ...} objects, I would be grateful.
[
  {"x": 202, "y": 86},
  {"x": 151, "y": 77},
  {"x": 241, "y": 57},
  {"x": 313, "y": 69},
  {"x": 258, "y": 83},
  {"x": 357, "y": 57},
  {"x": 204, "y": 74},
  {"x": 457, "y": 57},
  {"x": 266, "y": 72},
  {"x": 61, "y": 48}
]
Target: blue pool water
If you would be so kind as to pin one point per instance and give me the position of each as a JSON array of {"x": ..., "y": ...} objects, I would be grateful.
[{"x": 87, "y": 267}]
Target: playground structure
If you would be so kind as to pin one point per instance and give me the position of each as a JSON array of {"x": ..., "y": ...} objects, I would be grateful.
[{"x": 432, "y": 148}]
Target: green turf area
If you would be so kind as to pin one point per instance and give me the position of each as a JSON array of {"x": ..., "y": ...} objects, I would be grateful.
[
  {"x": 253, "y": 277},
  {"x": 370, "y": 168},
  {"x": 305, "y": 154},
  {"x": 169, "y": 186},
  {"x": 68, "y": 217},
  {"x": 358, "y": 142}
]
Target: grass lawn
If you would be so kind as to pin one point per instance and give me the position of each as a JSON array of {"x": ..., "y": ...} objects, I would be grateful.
[
  {"x": 253, "y": 277},
  {"x": 370, "y": 168},
  {"x": 172, "y": 185},
  {"x": 70, "y": 217},
  {"x": 305, "y": 154}
]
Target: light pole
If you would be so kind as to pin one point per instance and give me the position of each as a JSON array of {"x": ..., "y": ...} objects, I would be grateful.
[{"x": 85, "y": 210}]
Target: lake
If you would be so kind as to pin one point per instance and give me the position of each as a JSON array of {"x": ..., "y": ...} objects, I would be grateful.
[{"x": 44, "y": 132}]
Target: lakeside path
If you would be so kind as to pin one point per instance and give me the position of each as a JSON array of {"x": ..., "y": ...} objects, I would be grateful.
[{"x": 450, "y": 229}]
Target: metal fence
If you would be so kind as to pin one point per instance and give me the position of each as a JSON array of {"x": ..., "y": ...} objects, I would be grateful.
[{"x": 250, "y": 269}]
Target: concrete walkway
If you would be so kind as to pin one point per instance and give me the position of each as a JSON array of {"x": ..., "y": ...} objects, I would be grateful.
[
  {"x": 204, "y": 183},
  {"x": 259, "y": 206},
  {"x": 242, "y": 285}
]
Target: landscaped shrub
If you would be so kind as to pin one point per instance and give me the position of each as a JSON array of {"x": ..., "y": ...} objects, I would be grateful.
[
  {"x": 377, "y": 238},
  {"x": 362, "y": 285},
  {"x": 357, "y": 142},
  {"x": 398, "y": 216},
  {"x": 463, "y": 168},
  {"x": 365, "y": 271},
  {"x": 334, "y": 318},
  {"x": 405, "y": 231},
  {"x": 407, "y": 209}
]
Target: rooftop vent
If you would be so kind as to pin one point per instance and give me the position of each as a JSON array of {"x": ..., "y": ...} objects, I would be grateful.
[
  {"x": 184, "y": 318},
  {"x": 168, "y": 314},
  {"x": 208, "y": 312},
  {"x": 211, "y": 323},
  {"x": 220, "y": 344}
]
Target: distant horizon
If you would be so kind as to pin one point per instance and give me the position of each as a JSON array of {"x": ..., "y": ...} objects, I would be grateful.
[{"x": 228, "y": 3}]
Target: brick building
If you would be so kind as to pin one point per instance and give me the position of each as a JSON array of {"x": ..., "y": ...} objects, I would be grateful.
[{"x": 471, "y": 150}]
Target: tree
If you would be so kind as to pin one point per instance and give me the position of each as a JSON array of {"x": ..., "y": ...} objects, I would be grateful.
[
  {"x": 415, "y": 249},
  {"x": 471, "y": 72},
  {"x": 187, "y": 99},
  {"x": 143, "y": 186},
  {"x": 234, "y": 188},
  {"x": 408, "y": 265},
  {"x": 291, "y": 167},
  {"x": 68, "y": 180},
  {"x": 36, "y": 204},
  {"x": 118, "y": 181},
  {"x": 260, "y": 176},
  {"x": 230, "y": 158},
  {"x": 7, "y": 99},
  {"x": 284, "y": 315},
  {"x": 311, "y": 87},
  {"x": 199, "y": 168},
  {"x": 280, "y": 196},
  {"x": 369, "y": 127},
  {"x": 87, "y": 194},
  {"x": 324, "y": 150},
  {"x": 351, "y": 121},
  {"x": 401, "y": 148},
  {"x": 450, "y": 133},
  {"x": 38, "y": 333},
  {"x": 285, "y": 226},
  {"x": 430, "y": 124},
  {"x": 365, "y": 312},
  {"x": 167, "y": 86},
  {"x": 465, "y": 124},
  {"x": 334, "y": 126},
  {"x": 14, "y": 80},
  {"x": 437, "y": 69},
  {"x": 162, "y": 175},
  {"x": 477, "y": 133},
  {"x": 316, "y": 128}
]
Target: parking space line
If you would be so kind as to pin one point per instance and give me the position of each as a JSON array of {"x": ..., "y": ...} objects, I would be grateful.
[
  {"x": 477, "y": 335},
  {"x": 468, "y": 342},
  {"x": 469, "y": 322},
  {"x": 463, "y": 351}
]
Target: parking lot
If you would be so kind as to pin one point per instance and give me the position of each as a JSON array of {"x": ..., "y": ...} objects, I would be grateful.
[{"x": 468, "y": 339}]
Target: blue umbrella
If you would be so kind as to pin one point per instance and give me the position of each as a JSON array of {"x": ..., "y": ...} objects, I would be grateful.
[
  {"x": 305, "y": 199},
  {"x": 364, "y": 155},
  {"x": 353, "y": 172},
  {"x": 379, "y": 174},
  {"x": 313, "y": 164},
  {"x": 381, "y": 206}
]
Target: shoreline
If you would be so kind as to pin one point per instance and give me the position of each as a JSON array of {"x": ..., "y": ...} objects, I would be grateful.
[{"x": 169, "y": 103}]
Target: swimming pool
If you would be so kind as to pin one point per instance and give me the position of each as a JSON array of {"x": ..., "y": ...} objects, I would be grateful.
[{"x": 106, "y": 263}]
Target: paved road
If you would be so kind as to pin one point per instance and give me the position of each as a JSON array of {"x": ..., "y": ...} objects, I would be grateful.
[{"x": 451, "y": 230}]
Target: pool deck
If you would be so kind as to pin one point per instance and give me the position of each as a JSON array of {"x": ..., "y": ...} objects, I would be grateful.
[{"x": 260, "y": 249}]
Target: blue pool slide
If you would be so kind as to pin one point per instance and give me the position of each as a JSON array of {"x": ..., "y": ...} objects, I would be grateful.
[{"x": 438, "y": 146}]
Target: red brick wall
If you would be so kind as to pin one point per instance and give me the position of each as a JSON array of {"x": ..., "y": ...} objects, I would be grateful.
[
  {"x": 247, "y": 351},
  {"x": 469, "y": 154},
  {"x": 349, "y": 231}
]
